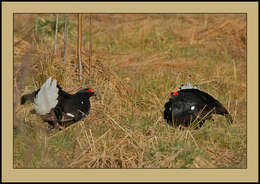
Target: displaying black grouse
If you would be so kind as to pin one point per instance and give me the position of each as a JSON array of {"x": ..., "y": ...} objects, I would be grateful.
[
  {"x": 189, "y": 103},
  {"x": 58, "y": 107}
]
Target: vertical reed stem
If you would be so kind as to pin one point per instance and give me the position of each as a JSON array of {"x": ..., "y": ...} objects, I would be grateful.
[
  {"x": 65, "y": 37},
  {"x": 90, "y": 44},
  {"x": 79, "y": 45},
  {"x": 56, "y": 32}
]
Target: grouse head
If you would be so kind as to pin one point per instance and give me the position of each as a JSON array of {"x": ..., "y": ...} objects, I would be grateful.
[
  {"x": 86, "y": 91},
  {"x": 190, "y": 103}
]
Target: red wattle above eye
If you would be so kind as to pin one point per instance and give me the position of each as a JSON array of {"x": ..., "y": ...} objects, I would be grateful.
[
  {"x": 175, "y": 93},
  {"x": 91, "y": 90}
]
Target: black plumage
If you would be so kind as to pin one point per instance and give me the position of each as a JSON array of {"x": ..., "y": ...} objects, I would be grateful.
[
  {"x": 190, "y": 104},
  {"x": 68, "y": 109}
]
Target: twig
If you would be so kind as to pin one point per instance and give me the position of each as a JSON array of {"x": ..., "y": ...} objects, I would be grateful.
[
  {"x": 79, "y": 45},
  {"x": 90, "y": 44},
  {"x": 56, "y": 33},
  {"x": 65, "y": 37}
]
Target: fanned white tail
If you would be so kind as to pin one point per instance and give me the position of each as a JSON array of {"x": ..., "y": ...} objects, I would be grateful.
[
  {"x": 189, "y": 86},
  {"x": 46, "y": 99}
]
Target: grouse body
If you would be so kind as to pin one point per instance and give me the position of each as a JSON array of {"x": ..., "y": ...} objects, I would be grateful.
[
  {"x": 58, "y": 107},
  {"x": 189, "y": 103}
]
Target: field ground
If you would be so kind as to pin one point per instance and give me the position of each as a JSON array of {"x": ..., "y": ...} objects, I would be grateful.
[{"x": 136, "y": 60}]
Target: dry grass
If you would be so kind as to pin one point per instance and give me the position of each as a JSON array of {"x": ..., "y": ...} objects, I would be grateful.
[{"x": 136, "y": 60}]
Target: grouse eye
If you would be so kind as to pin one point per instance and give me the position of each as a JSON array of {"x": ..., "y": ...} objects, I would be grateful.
[{"x": 82, "y": 102}]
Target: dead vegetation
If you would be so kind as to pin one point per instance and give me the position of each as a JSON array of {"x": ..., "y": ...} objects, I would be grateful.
[{"x": 136, "y": 60}]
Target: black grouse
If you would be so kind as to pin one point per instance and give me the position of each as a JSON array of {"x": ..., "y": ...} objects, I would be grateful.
[
  {"x": 58, "y": 107},
  {"x": 190, "y": 104}
]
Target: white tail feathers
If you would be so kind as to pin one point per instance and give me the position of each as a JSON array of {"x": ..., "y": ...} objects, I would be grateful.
[
  {"x": 46, "y": 99},
  {"x": 189, "y": 86}
]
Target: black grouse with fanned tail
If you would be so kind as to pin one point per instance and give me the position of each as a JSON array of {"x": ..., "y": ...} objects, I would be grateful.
[
  {"x": 190, "y": 104},
  {"x": 58, "y": 107}
]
